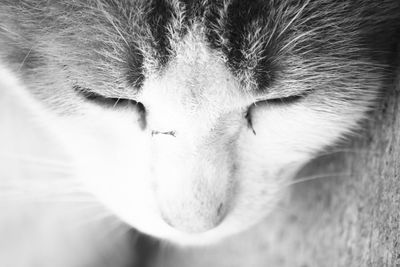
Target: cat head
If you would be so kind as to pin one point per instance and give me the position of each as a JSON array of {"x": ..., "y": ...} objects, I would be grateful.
[{"x": 187, "y": 119}]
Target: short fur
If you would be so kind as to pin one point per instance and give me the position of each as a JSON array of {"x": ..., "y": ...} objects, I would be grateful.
[{"x": 204, "y": 71}]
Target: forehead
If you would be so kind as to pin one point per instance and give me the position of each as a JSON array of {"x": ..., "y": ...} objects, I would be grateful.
[
  {"x": 236, "y": 30},
  {"x": 113, "y": 46},
  {"x": 273, "y": 47}
]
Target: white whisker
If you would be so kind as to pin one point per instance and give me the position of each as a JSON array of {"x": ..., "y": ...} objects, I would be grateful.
[
  {"x": 35, "y": 159},
  {"x": 317, "y": 177},
  {"x": 347, "y": 151},
  {"x": 24, "y": 60}
]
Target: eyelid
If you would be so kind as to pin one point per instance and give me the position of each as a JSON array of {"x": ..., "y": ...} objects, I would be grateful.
[
  {"x": 287, "y": 100},
  {"x": 113, "y": 102},
  {"x": 104, "y": 101},
  {"x": 284, "y": 100}
]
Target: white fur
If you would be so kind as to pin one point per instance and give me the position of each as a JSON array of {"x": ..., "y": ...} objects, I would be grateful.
[
  {"x": 47, "y": 218},
  {"x": 213, "y": 159},
  {"x": 212, "y": 176}
]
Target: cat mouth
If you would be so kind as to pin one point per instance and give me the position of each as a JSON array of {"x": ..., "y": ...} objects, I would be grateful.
[
  {"x": 196, "y": 221},
  {"x": 222, "y": 230}
]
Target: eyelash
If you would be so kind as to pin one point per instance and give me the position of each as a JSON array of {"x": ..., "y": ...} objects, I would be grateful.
[
  {"x": 111, "y": 102},
  {"x": 273, "y": 101},
  {"x": 116, "y": 102},
  {"x": 283, "y": 100},
  {"x": 102, "y": 100}
]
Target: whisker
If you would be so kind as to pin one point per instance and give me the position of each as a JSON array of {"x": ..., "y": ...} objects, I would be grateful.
[
  {"x": 25, "y": 173},
  {"x": 96, "y": 216},
  {"x": 35, "y": 159},
  {"x": 18, "y": 199},
  {"x": 74, "y": 194},
  {"x": 116, "y": 228},
  {"x": 37, "y": 185},
  {"x": 116, "y": 102},
  {"x": 317, "y": 177},
  {"x": 346, "y": 150},
  {"x": 24, "y": 60},
  {"x": 68, "y": 199}
]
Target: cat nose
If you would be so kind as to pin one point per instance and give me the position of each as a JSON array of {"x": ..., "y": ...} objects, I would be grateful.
[{"x": 194, "y": 220}]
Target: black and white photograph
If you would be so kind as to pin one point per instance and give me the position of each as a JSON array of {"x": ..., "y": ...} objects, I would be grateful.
[{"x": 199, "y": 133}]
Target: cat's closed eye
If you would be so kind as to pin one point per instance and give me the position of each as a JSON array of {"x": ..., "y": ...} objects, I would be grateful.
[
  {"x": 276, "y": 101},
  {"x": 113, "y": 102},
  {"x": 155, "y": 119}
]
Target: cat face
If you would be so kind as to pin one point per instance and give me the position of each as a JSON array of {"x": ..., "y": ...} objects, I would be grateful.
[
  {"x": 187, "y": 120},
  {"x": 198, "y": 171}
]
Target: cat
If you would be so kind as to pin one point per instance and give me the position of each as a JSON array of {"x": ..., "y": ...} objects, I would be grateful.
[{"x": 186, "y": 119}]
